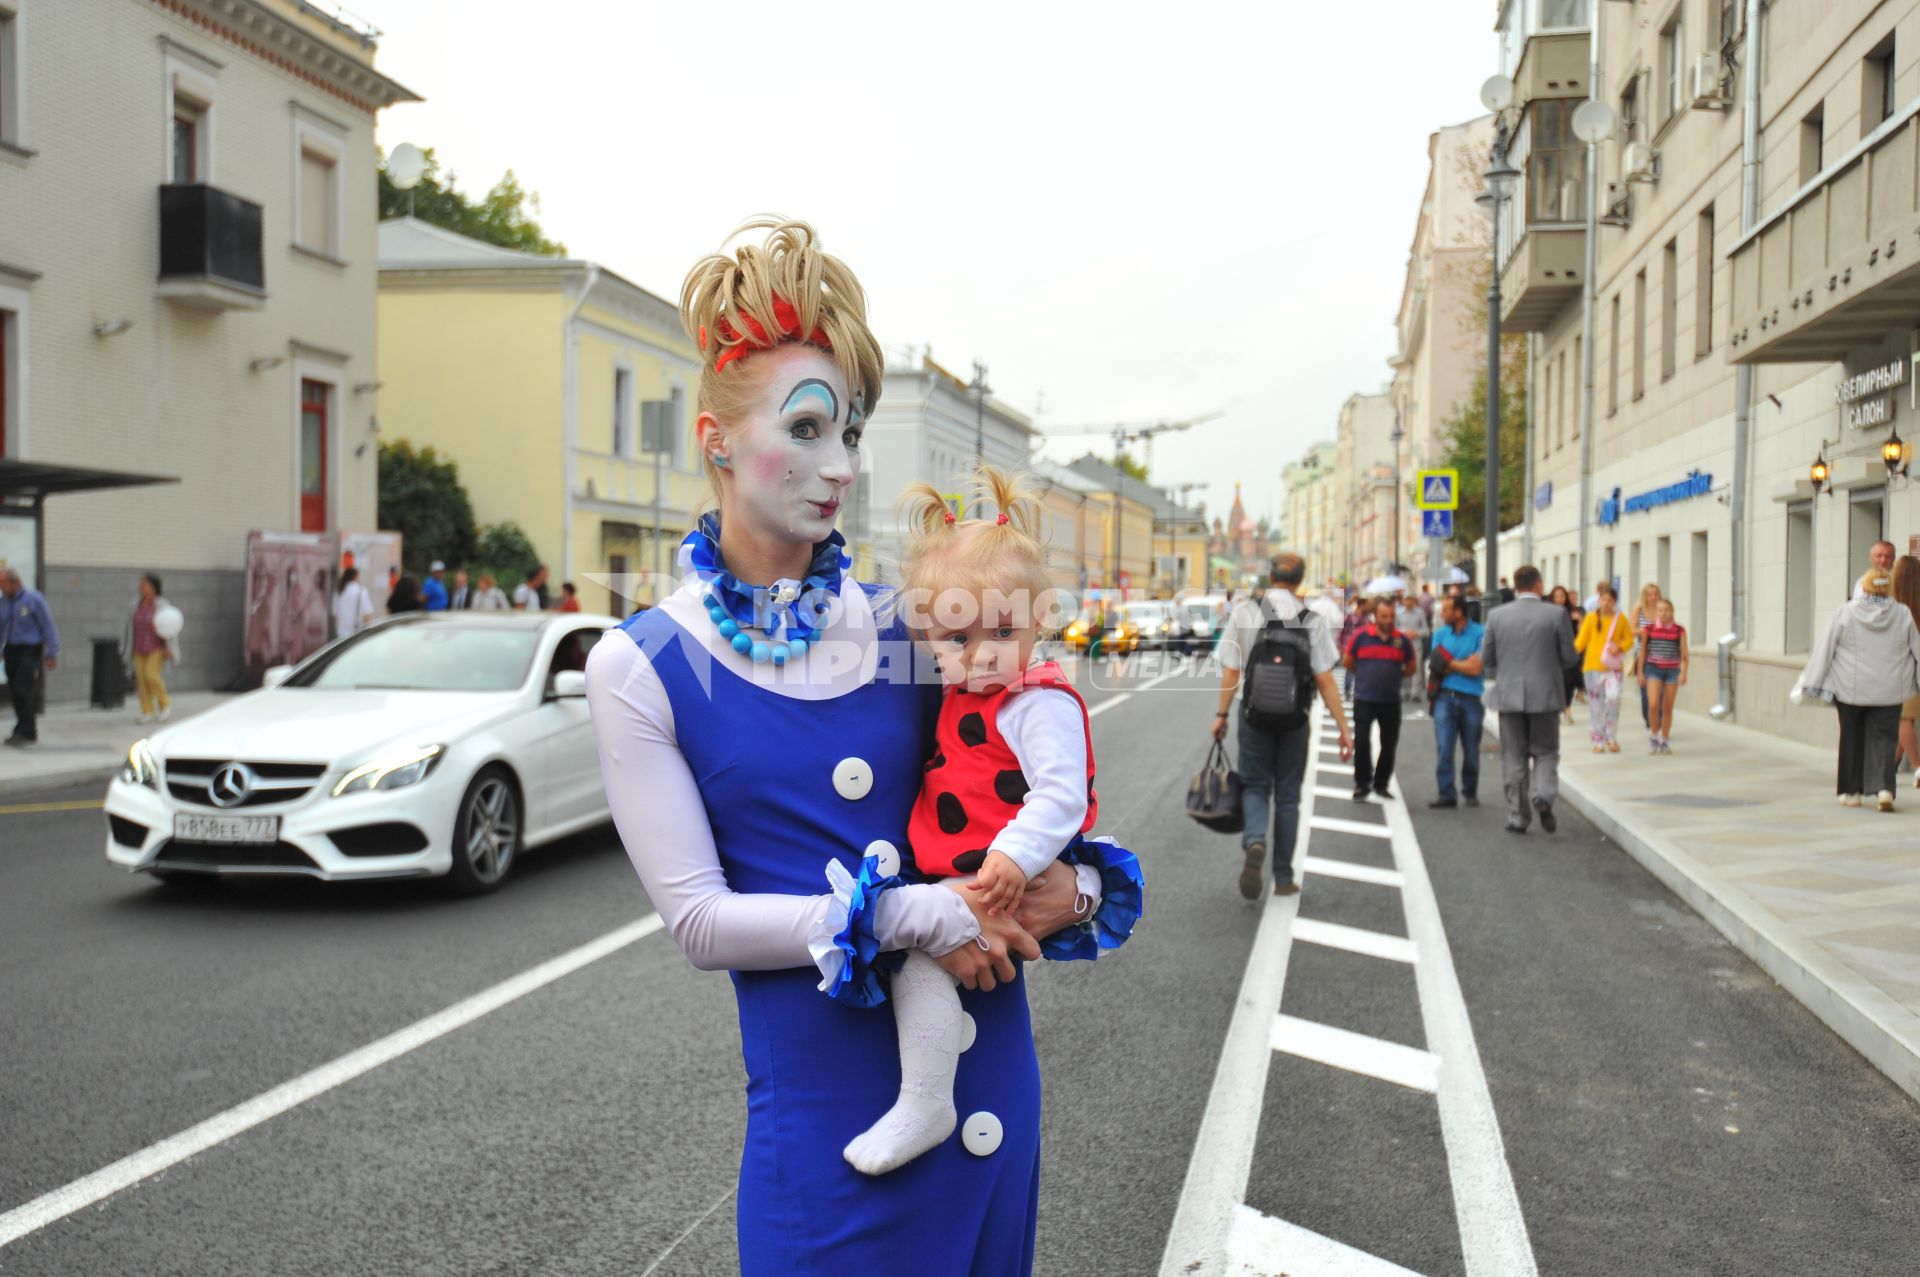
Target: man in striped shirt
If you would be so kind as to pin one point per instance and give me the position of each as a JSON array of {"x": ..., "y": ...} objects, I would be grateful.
[{"x": 1379, "y": 656}]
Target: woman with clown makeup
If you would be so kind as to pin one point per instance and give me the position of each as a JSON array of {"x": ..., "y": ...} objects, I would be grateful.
[{"x": 762, "y": 734}]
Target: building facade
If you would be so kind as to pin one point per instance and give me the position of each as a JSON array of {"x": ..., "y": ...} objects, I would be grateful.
[
  {"x": 1810, "y": 283},
  {"x": 187, "y": 276},
  {"x": 564, "y": 392}
]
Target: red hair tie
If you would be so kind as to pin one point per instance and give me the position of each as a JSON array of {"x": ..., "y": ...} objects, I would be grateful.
[
  {"x": 1001, "y": 519},
  {"x": 785, "y": 318},
  {"x": 949, "y": 516}
]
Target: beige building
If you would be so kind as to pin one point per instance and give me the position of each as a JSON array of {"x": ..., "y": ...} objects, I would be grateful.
[
  {"x": 229, "y": 143},
  {"x": 1440, "y": 329},
  {"x": 1817, "y": 290},
  {"x": 1366, "y": 480},
  {"x": 1314, "y": 513}
]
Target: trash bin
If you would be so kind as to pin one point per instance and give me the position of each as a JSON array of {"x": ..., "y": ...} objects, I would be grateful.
[{"x": 109, "y": 675}]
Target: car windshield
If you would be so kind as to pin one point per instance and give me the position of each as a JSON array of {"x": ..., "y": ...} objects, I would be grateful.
[{"x": 424, "y": 658}]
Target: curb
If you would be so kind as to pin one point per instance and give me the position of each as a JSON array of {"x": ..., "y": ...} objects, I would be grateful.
[
  {"x": 78, "y": 774},
  {"x": 1873, "y": 1024}
]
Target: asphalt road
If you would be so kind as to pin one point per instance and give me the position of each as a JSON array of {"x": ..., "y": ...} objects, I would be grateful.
[{"x": 1664, "y": 1108}]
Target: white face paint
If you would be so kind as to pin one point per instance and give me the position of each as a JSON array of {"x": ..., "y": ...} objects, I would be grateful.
[{"x": 795, "y": 452}]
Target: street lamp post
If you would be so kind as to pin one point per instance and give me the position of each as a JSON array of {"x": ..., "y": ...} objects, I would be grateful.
[
  {"x": 979, "y": 388},
  {"x": 1500, "y": 176}
]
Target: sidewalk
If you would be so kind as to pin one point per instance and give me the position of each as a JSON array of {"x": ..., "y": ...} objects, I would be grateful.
[
  {"x": 78, "y": 744},
  {"x": 1744, "y": 827}
]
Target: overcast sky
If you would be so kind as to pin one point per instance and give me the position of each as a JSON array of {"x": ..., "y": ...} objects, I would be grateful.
[{"x": 1129, "y": 211}]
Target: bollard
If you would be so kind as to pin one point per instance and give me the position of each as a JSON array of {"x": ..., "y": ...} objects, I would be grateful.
[{"x": 109, "y": 675}]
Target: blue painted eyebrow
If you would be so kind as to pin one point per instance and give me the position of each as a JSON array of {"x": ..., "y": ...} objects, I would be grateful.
[{"x": 813, "y": 388}]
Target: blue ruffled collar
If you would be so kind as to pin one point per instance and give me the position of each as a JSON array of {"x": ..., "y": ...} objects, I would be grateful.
[{"x": 786, "y": 609}]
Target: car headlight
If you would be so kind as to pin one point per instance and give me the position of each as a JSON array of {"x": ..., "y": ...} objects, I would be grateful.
[
  {"x": 1076, "y": 630},
  {"x": 393, "y": 771},
  {"x": 141, "y": 768}
]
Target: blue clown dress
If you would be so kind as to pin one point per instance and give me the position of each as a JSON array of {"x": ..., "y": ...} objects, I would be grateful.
[{"x": 787, "y": 784}]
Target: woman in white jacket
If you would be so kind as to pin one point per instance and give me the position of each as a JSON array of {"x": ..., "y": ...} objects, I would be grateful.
[{"x": 1867, "y": 663}]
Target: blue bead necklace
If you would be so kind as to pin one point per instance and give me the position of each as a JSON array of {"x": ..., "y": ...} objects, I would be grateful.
[{"x": 792, "y": 609}]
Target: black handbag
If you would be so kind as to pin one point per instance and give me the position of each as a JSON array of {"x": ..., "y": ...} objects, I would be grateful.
[{"x": 1213, "y": 798}]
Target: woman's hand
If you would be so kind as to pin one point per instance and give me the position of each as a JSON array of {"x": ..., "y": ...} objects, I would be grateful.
[
  {"x": 1049, "y": 903},
  {"x": 987, "y": 961}
]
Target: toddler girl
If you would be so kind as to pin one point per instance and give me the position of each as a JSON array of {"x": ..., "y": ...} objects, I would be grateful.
[{"x": 1008, "y": 791}]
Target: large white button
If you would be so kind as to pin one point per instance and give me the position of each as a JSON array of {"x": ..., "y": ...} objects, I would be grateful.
[
  {"x": 852, "y": 778},
  {"x": 980, "y": 1134},
  {"x": 880, "y": 849},
  {"x": 968, "y": 1030}
]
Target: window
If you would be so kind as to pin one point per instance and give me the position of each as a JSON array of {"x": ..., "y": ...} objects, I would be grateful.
[
  {"x": 1554, "y": 161},
  {"x": 1697, "y": 588},
  {"x": 1613, "y": 359},
  {"x": 6, "y": 326},
  {"x": 1669, "y": 307},
  {"x": 1579, "y": 363},
  {"x": 1633, "y": 579},
  {"x": 9, "y": 76},
  {"x": 623, "y": 412},
  {"x": 318, "y": 173},
  {"x": 190, "y": 122},
  {"x": 1732, "y": 15},
  {"x": 1812, "y": 143},
  {"x": 1547, "y": 401},
  {"x": 186, "y": 144},
  {"x": 1663, "y": 566},
  {"x": 1630, "y": 111},
  {"x": 1673, "y": 56},
  {"x": 1798, "y": 636},
  {"x": 1566, "y": 397},
  {"x": 1703, "y": 286},
  {"x": 1640, "y": 334},
  {"x": 679, "y": 445},
  {"x": 1877, "y": 87},
  {"x": 1565, "y": 15},
  {"x": 315, "y": 401}
]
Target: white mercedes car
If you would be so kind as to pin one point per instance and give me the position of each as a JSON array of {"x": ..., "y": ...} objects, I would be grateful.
[{"x": 429, "y": 745}]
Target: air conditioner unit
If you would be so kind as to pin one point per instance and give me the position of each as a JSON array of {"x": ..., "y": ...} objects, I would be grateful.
[
  {"x": 1706, "y": 82},
  {"x": 1639, "y": 163}
]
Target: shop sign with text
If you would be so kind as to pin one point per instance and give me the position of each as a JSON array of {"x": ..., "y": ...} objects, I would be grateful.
[{"x": 1866, "y": 398}]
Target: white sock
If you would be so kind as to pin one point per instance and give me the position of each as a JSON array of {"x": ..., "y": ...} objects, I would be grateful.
[{"x": 926, "y": 1009}]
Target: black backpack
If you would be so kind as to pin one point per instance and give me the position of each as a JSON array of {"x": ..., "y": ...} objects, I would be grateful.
[{"x": 1278, "y": 681}]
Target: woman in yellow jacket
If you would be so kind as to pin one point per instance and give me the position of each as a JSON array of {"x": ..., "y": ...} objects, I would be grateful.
[{"x": 1604, "y": 640}]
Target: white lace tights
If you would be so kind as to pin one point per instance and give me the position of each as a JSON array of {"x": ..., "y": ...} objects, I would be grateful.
[{"x": 926, "y": 1012}]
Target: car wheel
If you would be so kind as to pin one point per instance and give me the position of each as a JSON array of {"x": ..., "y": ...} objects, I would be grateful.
[{"x": 486, "y": 834}]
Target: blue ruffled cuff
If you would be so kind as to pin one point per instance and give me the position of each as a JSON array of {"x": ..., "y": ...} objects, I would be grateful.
[
  {"x": 842, "y": 939},
  {"x": 1123, "y": 901}
]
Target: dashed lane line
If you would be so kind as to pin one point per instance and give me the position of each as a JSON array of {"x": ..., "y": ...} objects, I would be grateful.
[
  {"x": 1354, "y": 873},
  {"x": 34, "y": 809},
  {"x": 1374, "y": 944},
  {"x": 1336, "y": 825},
  {"x": 149, "y": 1161}
]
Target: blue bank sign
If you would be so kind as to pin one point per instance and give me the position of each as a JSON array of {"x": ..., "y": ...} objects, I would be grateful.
[{"x": 1695, "y": 484}]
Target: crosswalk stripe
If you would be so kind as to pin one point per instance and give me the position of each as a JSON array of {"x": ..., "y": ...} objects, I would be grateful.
[
  {"x": 1357, "y": 1053},
  {"x": 1254, "y": 1238},
  {"x": 1335, "y": 825},
  {"x": 1334, "y": 791},
  {"x": 1354, "y": 873},
  {"x": 1374, "y": 944}
]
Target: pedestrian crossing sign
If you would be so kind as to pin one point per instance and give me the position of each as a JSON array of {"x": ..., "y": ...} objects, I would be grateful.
[
  {"x": 1436, "y": 490},
  {"x": 1437, "y": 523}
]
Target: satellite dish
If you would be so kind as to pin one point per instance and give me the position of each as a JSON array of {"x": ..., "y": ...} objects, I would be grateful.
[
  {"x": 1593, "y": 121},
  {"x": 1497, "y": 93},
  {"x": 406, "y": 165}
]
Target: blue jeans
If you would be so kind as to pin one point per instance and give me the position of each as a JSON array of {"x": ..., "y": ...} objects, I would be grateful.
[
  {"x": 1272, "y": 765},
  {"x": 1457, "y": 717}
]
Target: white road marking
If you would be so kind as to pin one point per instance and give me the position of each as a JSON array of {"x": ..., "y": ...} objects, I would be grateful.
[
  {"x": 1374, "y": 944},
  {"x": 1335, "y": 825},
  {"x": 1118, "y": 697},
  {"x": 1308, "y": 1253},
  {"x": 1357, "y": 1053},
  {"x": 1493, "y": 1232},
  {"x": 130, "y": 1170},
  {"x": 1353, "y": 873},
  {"x": 1216, "y": 1182},
  {"x": 685, "y": 1233},
  {"x": 1334, "y": 791}
]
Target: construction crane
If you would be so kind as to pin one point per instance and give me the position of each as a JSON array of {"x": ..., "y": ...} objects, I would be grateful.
[{"x": 1126, "y": 432}]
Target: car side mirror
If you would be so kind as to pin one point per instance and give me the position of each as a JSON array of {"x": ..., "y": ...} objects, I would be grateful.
[
  {"x": 567, "y": 684},
  {"x": 275, "y": 675}
]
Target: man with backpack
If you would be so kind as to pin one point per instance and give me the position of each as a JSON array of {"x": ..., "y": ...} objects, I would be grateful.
[{"x": 1277, "y": 654}]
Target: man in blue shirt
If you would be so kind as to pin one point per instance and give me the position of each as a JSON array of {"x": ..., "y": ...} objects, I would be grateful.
[
  {"x": 1457, "y": 712},
  {"x": 28, "y": 642},
  {"x": 434, "y": 590}
]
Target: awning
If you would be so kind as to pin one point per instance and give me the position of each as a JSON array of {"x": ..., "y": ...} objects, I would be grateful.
[{"x": 37, "y": 479}]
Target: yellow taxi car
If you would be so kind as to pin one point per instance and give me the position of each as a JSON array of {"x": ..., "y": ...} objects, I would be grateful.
[{"x": 1117, "y": 635}]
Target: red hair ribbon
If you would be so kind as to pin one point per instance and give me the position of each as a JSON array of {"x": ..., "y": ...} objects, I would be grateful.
[
  {"x": 949, "y": 516},
  {"x": 785, "y": 318},
  {"x": 1001, "y": 519}
]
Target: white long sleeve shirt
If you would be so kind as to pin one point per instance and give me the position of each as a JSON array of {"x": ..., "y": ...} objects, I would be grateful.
[
  {"x": 1045, "y": 729},
  {"x": 657, "y": 808}
]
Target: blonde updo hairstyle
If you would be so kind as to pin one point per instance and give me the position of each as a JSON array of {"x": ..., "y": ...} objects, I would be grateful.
[
  {"x": 951, "y": 562},
  {"x": 729, "y": 288}
]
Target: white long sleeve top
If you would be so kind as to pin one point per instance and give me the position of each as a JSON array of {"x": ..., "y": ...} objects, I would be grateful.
[
  {"x": 657, "y": 808},
  {"x": 1043, "y": 727}
]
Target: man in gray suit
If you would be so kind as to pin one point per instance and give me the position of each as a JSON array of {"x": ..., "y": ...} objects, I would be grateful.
[{"x": 1528, "y": 647}]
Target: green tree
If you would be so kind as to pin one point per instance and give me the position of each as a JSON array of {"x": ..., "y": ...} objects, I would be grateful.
[
  {"x": 505, "y": 550},
  {"x": 1464, "y": 436},
  {"x": 1125, "y": 463},
  {"x": 504, "y": 216},
  {"x": 421, "y": 499}
]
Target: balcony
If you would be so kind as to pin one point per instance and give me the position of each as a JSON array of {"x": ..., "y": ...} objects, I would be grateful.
[
  {"x": 1837, "y": 267},
  {"x": 1553, "y": 66},
  {"x": 210, "y": 255},
  {"x": 1545, "y": 221}
]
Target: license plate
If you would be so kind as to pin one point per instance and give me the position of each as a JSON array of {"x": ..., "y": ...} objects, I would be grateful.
[{"x": 243, "y": 829}]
